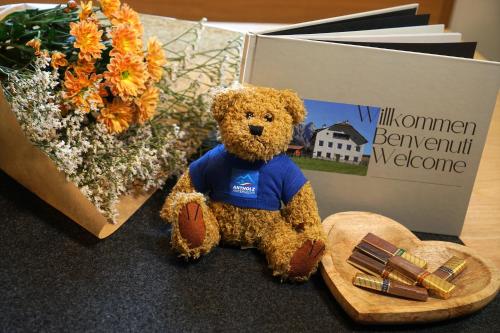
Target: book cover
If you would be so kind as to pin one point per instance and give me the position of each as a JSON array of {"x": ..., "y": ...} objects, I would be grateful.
[{"x": 392, "y": 132}]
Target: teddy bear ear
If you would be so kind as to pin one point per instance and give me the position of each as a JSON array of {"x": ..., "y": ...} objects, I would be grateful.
[
  {"x": 221, "y": 103},
  {"x": 294, "y": 106}
]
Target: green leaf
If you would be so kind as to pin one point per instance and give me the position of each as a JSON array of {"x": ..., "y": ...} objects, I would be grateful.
[{"x": 3, "y": 33}]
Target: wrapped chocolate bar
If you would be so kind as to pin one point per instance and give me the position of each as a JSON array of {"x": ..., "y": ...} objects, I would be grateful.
[
  {"x": 387, "y": 286},
  {"x": 450, "y": 269},
  {"x": 436, "y": 285},
  {"x": 393, "y": 250},
  {"x": 374, "y": 267},
  {"x": 373, "y": 252}
]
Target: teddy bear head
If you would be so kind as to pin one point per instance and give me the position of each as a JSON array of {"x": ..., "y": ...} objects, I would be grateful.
[{"x": 256, "y": 123}]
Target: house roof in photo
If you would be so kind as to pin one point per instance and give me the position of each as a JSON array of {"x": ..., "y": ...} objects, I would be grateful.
[{"x": 348, "y": 129}]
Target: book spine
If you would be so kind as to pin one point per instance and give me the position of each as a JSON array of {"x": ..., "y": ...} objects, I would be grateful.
[{"x": 248, "y": 57}]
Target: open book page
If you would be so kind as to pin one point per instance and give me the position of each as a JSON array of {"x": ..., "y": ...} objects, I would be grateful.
[
  {"x": 451, "y": 37},
  {"x": 387, "y": 12},
  {"x": 432, "y": 28}
]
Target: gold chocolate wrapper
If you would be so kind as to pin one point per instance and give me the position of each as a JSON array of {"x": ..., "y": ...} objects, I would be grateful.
[
  {"x": 450, "y": 269},
  {"x": 411, "y": 258},
  {"x": 370, "y": 282},
  {"x": 437, "y": 286}
]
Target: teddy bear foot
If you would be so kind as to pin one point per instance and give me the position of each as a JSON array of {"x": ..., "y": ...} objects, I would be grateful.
[
  {"x": 191, "y": 224},
  {"x": 305, "y": 259}
]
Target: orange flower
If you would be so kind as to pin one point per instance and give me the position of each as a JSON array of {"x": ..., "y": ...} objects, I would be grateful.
[
  {"x": 102, "y": 90},
  {"x": 82, "y": 90},
  {"x": 126, "y": 75},
  {"x": 86, "y": 10},
  {"x": 147, "y": 104},
  {"x": 155, "y": 59},
  {"x": 35, "y": 43},
  {"x": 117, "y": 116},
  {"x": 58, "y": 60},
  {"x": 88, "y": 39},
  {"x": 109, "y": 7},
  {"x": 74, "y": 84},
  {"x": 125, "y": 39},
  {"x": 127, "y": 15},
  {"x": 84, "y": 67}
]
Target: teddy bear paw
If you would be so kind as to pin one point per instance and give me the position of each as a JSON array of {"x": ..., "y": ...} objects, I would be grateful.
[
  {"x": 305, "y": 258},
  {"x": 191, "y": 224}
]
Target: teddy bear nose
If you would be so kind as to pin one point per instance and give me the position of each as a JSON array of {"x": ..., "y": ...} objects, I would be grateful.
[{"x": 256, "y": 130}]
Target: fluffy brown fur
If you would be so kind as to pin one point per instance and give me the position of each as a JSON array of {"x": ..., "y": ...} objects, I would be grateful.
[{"x": 278, "y": 234}]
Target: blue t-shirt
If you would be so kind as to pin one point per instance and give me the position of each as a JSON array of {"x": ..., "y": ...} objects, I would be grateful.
[{"x": 261, "y": 185}]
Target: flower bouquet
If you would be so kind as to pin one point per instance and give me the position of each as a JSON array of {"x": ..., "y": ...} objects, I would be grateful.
[{"x": 97, "y": 112}]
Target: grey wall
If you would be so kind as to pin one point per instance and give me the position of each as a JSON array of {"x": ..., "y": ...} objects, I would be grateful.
[{"x": 479, "y": 20}]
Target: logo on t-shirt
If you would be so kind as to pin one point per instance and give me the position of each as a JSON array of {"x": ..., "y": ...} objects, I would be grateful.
[{"x": 244, "y": 183}]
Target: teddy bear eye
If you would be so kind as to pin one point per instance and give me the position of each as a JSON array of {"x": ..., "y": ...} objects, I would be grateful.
[
  {"x": 268, "y": 117},
  {"x": 249, "y": 115}
]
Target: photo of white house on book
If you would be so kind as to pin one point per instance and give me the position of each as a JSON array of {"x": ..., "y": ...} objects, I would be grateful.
[
  {"x": 414, "y": 156},
  {"x": 335, "y": 137}
]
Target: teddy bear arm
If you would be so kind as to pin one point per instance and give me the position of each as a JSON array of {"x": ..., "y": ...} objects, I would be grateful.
[
  {"x": 302, "y": 210},
  {"x": 190, "y": 241},
  {"x": 183, "y": 185}
]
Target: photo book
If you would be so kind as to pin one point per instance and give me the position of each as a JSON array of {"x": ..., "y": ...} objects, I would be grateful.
[{"x": 398, "y": 112}]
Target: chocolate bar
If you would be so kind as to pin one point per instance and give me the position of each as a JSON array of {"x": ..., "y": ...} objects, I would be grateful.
[
  {"x": 450, "y": 269},
  {"x": 393, "y": 250},
  {"x": 387, "y": 286},
  {"x": 373, "y": 252},
  {"x": 374, "y": 267},
  {"x": 436, "y": 285}
]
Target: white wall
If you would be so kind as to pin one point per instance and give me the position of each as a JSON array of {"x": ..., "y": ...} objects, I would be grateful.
[
  {"x": 327, "y": 136},
  {"x": 479, "y": 20}
]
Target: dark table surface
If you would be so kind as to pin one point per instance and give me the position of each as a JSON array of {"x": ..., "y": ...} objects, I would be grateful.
[{"x": 55, "y": 276}]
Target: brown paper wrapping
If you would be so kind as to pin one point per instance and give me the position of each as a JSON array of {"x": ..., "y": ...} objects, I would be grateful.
[{"x": 28, "y": 165}]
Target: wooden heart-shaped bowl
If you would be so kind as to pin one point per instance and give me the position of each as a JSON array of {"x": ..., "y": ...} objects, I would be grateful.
[{"x": 476, "y": 286}]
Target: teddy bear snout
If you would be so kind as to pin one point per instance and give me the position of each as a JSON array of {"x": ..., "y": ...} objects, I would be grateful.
[{"x": 256, "y": 130}]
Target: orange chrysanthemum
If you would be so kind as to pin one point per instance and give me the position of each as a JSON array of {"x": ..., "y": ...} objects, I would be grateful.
[
  {"x": 88, "y": 39},
  {"x": 35, "y": 44},
  {"x": 74, "y": 84},
  {"x": 125, "y": 39},
  {"x": 117, "y": 115},
  {"x": 86, "y": 10},
  {"x": 82, "y": 91},
  {"x": 127, "y": 15},
  {"x": 109, "y": 7},
  {"x": 126, "y": 75},
  {"x": 102, "y": 90},
  {"x": 146, "y": 104},
  {"x": 84, "y": 67},
  {"x": 58, "y": 59},
  {"x": 155, "y": 59}
]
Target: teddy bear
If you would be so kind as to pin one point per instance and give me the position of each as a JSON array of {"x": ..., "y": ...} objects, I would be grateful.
[{"x": 246, "y": 191}]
